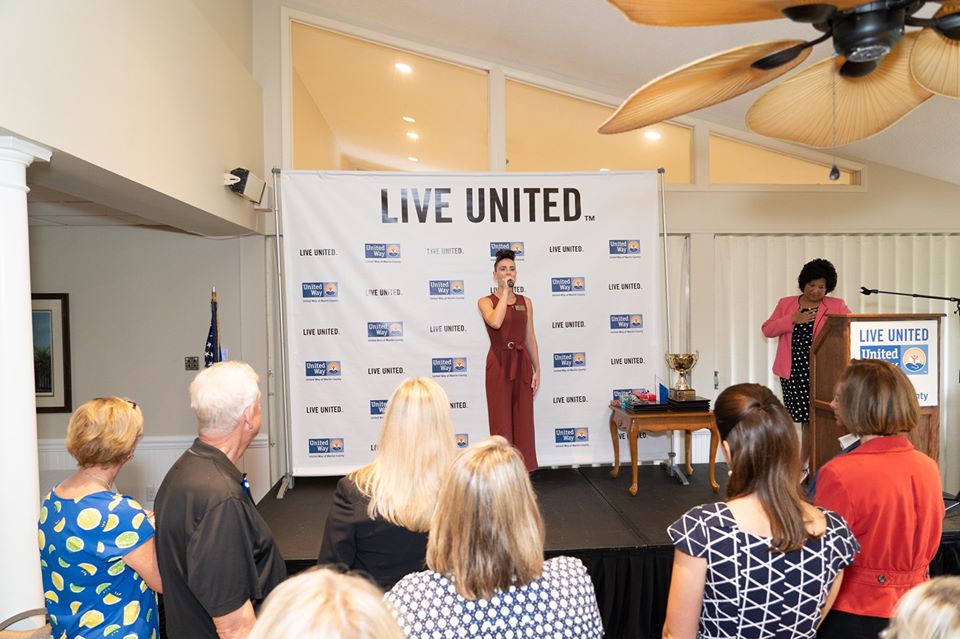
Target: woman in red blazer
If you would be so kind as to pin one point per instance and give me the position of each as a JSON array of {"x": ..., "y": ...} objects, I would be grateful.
[
  {"x": 889, "y": 493},
  {"x": 797, "y": 320}
]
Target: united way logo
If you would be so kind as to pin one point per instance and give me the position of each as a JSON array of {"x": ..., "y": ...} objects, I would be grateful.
[
  {"x": 516, "y": 247},
  {"x": 914, "y": 360},
  {"x": 378, "y": 407},
  {"x": 449, "y": 366},
  {"x": 572, "y": 436},
  {"x": 380, "y": 252},
  {"x": 626, "y": 323},
  {"x": 384, "y": 331},
  {"x": 568, "y": 285},
  {"x": 624, "y": 248},
  {"x": 463, "y": 440},
  {"x": 446, "y": 289},
  {"x": 325, "y": 446},
  {"x": 323, "y": 369},
  {"x": 570, "y": 361},
  {"x": 319, "y": 291}
]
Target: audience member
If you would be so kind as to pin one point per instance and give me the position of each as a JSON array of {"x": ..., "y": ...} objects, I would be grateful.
[
  {"x": 764, "y": 563},
  {"x": 323, "y": 604},
  {"x": 487, "y": 576},
  {"x": 97, "y": 553},
  {"x": 381, "y": 513},
  {"x": 887, "y": 491},
  {"x": 928, "y": 611},
  {"x": 217, "y": 555}
]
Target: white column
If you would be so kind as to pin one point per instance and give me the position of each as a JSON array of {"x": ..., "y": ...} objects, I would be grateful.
[{"x": 20, "y": 588}]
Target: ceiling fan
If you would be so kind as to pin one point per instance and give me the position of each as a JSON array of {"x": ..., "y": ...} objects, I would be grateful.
[{"x": 880, "y": 72}]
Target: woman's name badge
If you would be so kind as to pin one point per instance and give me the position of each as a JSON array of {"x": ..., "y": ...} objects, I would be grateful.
[{"x": 520, "y": 307}]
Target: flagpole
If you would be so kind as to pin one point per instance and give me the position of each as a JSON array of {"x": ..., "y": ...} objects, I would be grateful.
[{"x": 217, "y": 357}]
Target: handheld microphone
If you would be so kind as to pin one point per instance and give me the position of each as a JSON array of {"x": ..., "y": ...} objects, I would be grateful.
[
  {"x": 865, "y": 291},
  {"x": 510, "y": 283}
]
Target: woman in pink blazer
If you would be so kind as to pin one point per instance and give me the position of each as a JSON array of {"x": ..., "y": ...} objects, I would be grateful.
[{"x": 797, "y": 320}]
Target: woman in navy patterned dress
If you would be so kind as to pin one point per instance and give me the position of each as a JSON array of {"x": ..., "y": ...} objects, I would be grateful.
[
  {"x": 763, "y": 564},
  {"x": 487, "y": 577}
]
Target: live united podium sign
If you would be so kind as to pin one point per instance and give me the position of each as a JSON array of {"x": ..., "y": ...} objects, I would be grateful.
[{"x": 911, "y": 342}]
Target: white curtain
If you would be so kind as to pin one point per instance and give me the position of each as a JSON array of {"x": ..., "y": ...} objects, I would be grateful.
[{"x": 754, "y": 271}]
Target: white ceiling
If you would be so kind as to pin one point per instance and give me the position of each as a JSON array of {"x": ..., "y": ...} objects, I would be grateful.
[{"x": 588, "y": 43}]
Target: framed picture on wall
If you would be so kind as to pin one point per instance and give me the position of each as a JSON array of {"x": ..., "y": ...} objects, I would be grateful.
[{"x": 51, "y": 352}]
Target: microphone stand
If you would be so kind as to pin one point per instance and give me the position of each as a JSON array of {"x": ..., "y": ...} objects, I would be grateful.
[
  {"x": 869, "y": 291},
  {"x": 951, "y": 501}
]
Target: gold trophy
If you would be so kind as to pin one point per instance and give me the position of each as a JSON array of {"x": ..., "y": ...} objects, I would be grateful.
[{"x": 683, "y": 363}]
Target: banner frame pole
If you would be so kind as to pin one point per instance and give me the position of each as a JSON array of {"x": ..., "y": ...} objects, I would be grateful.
[{"x": 287, "y": 482}]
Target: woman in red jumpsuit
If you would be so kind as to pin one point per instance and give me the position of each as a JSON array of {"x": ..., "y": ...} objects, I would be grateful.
[{"x": 513, "y": 363}]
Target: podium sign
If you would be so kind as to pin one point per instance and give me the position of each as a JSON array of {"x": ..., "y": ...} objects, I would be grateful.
[
  {"x": 910, "y": 345},
  {"x": 909, "y": 341}
]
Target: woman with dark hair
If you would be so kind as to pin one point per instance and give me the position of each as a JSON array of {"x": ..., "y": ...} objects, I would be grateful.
[
  {"x": 890, "y": 494},
  {"x": 513, "y": 362},
  {"x": 797, "y": 321},
  {"x": 764, "y": 563}
]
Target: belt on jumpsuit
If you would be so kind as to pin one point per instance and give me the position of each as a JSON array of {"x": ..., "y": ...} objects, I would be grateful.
[{"x": 514, "y": 349}]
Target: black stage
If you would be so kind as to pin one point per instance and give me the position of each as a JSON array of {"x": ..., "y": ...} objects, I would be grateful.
[{"x": 621, "y": 539}]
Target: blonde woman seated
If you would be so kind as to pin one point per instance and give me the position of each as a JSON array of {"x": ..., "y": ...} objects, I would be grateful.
[
  {"x": 97, "y": 552},
  {"x": 323, "y": 604},
  {"x": 764, "y": 563},
  {"x": 381, "y": 513},
  {"x": 486, "y": 571},
  {"x": 928, "y": 611}
]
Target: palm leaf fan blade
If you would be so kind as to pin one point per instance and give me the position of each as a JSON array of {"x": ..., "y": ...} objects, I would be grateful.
[
  {"x": 935, "y": 60},
  {"x": 700, "y": 84},
  {"x": 800, "y": 109},
  {"x": 699, "y": 13}
]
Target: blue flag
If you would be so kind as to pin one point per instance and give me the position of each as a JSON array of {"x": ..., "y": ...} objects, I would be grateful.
[{"x": 211, "y": 354}]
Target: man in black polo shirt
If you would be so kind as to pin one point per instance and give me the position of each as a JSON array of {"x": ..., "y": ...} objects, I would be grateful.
[{"x": 217, "y": 556}]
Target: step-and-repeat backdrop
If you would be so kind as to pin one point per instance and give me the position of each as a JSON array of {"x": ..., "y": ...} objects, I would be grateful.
[{"x": 383, "y": 272}]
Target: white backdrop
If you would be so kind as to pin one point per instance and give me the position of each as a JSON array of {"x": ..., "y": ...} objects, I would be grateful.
[{"x": 383, "y": 272}]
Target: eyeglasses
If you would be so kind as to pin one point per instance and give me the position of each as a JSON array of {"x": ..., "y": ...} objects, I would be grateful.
[{"x": 132, "y": 403}]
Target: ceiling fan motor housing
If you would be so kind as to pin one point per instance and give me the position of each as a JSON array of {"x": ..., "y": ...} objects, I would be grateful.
[{"x": 866, "y": 33}]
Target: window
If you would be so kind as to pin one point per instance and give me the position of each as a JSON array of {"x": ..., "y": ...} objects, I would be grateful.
[
  {"x": 366, "y": 106},
  {"x": 736, "y": 162},
  {"x": 551, "y": 131}
]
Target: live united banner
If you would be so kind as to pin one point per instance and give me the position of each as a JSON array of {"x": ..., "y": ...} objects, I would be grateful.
[{"x": 382, "y": 276}]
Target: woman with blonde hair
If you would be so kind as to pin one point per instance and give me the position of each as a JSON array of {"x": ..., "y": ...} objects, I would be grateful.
[
  {"x": 323, "y": 604},
  {"x": 381, "y": 513},
  {"x": 764, "y": 563},
  {"x": 889, "y": 493},
  {"x": 928, "y": 611},
  {"x": 97, "y": 552},
  {"x": 486, "y": 571}
]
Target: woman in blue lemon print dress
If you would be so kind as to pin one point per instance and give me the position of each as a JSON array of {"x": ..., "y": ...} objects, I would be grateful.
[{"x": 97, "y": 554}]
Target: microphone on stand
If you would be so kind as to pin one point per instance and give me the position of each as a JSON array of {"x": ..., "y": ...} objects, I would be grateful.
[{"x": 866, "y": 291}]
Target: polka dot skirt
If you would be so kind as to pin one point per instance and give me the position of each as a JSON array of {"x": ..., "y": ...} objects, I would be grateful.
[{"x": 796, "y": 389}]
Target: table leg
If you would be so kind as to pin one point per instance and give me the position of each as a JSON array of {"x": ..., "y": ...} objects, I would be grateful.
[
  {"x": 714, "y": 443},
  {"x": 616, "y": 445},
  {"x": 634, "y": 433},
  {"x": 688, "y": 451}
]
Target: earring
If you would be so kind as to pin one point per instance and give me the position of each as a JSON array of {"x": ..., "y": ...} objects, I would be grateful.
[{"x": 729, "y": 473}]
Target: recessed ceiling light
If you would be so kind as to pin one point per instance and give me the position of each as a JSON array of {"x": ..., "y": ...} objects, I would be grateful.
[
  {"x": 403, "y": 67},
  {"x": 652, "y": 135},
  {"x": 409, "y": 119},
  {"x": 604, "y": 169},
  {"x": 412, "y": 159},
  {"x": 413, "y": 135}
]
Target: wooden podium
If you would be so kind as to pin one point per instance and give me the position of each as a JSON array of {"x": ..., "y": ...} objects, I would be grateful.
[{"x": 842, "y": 339}]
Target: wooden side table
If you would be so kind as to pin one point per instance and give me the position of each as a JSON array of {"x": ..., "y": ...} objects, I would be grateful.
[{"x": 657, "y": 422}]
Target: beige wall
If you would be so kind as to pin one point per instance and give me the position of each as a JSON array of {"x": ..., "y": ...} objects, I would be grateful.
[
  {"x": 146, "y": 91},
  {"x": 139, "y": 304}
]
